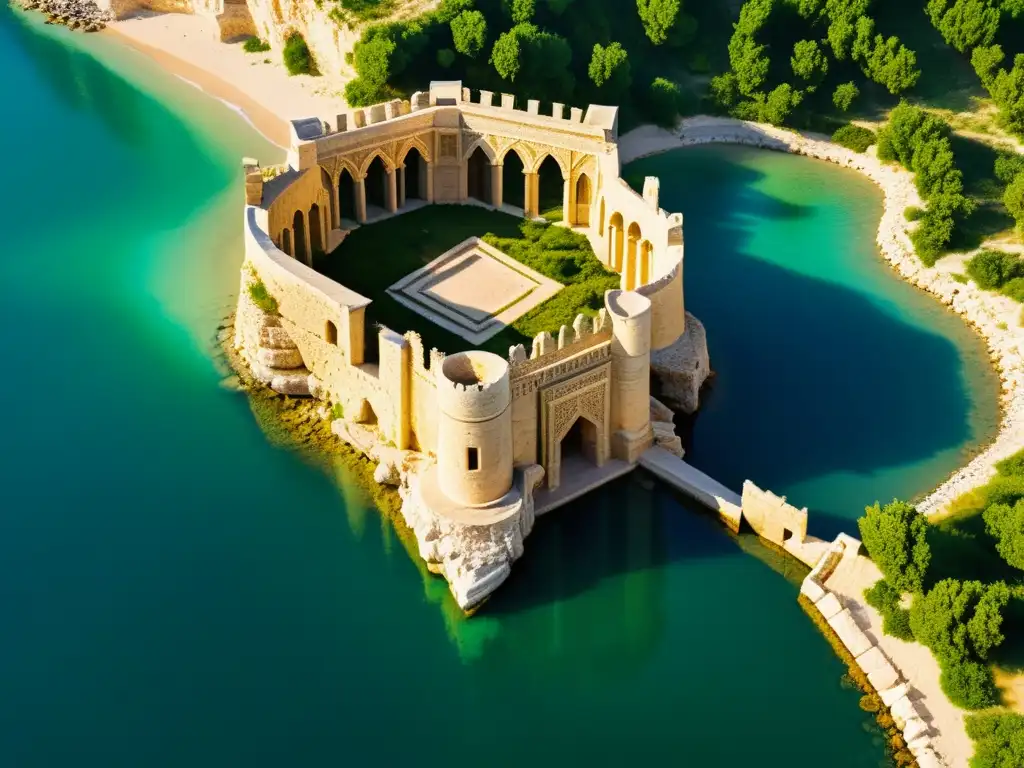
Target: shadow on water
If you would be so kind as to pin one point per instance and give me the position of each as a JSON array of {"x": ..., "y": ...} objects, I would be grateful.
[{"x": 813, "y": 377}]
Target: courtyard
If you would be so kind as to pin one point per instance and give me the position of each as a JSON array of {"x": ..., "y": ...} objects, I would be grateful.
[{"x": 466, "y": 277}]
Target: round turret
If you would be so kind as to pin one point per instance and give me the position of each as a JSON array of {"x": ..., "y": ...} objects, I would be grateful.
[
  {"x": 474, "y": 437},
  {"x": 631, "y": 360}
]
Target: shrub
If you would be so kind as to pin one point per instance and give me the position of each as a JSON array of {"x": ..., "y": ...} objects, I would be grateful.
[
  {"x": 1012, "y": 466},
  {"x": 255, "y": 45},
  {"x": 960, "y": 620},
  {"x": 895, "y": 537},
  {"x": 895, "y": 619},
  {"x": 1008, "y": 166},
  {"x": 962, "y": 279},
  {"x": 992, "y": 269},
  {"x": 968, "y": 684},
  {"x": 1013, "y": 199},
  {"x": 297, "y": 58},
  {"x": 912, "y": 213},
  {"x": 1006, "y": 525},
  {"x": 1004, "y": 490},
  {"x": 844, "y": 96},
  {"x": 663, "y": 102},
  {"x": 1014, "y": 289},
  {"x": 854, "y": 137},
  {"x": 998, "y": 739},
  {"x": 261, "y": 297}
]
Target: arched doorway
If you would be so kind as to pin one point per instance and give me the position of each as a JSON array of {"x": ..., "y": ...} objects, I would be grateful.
[
  {"x": 616, "y": 239},
  {"x": 580, "y": 441},
  {"x": 513, "y": 182},
  {"x": 646, "y": 262},
  {"x": 550, "y": 190},
  {"x": 299, "y": 228},
  {"x": 332, "y": 207},
  {"x": 582, "y": 201},
  {"x": 632, "y": 246},
  {"x": 347, "y": 199},
  {"x": 331, "y": 333},
  {"x": 316, "y": 239},
  {"x": 376, "y": 188},
  {"x": 478, "y": 176},
  {"x": 286, "y": 241},
  {"x": 415, "y": 174}
]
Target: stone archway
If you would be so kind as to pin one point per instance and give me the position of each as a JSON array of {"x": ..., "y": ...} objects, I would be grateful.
[
  {"x": 632, "y": 247},
  {"x": 514, "y": 180},
  {"x": 616, "y": 242},
  {"x": 299, "y": 228},
  {"x": 550, "y": 191},
  {"x": 316, "y": 239},
  {"x": 346, "y": 199},
  {"x": 582, "y": 201},
  {"x": 478, "y": 177},
  {"x": 583, "y": 398},
  {"x": 286, "y": 241},
  {"x": 646, "y": 262},
  {"x": 580, "y": 440}
]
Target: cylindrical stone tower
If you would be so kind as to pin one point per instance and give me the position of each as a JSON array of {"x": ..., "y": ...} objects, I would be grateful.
[
  {"x": 474, "y": 435},
  {"x": 631, "y": 372}
]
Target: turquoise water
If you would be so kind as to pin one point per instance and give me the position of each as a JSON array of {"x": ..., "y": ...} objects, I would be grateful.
[
  {"x": 176, "y": 591},
  {"x": 837, "y": 383}
]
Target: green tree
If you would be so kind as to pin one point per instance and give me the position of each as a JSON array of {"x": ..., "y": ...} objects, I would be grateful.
[
  {"x": 965, "y": 24},
  {"x": 809, "y": 62},
  {"x": 844, "y": 96},
  {"x": 506, "y": 56},
  {"x": 986, "y": 62},
  {"x": 896, "y": 538},
  {"x": 998, "y": 739},
  {"x": 1013, "y": 199},
  {"x": 990, "y": 269},
  {"x": 960, "y": 620},
  {"x": 469, "y": 33},
  {"x": 609, "y": 65},
  {"x": 658, "y": 17},
  {"x": 1006, "y": 525},
  {"x": 1007, "y": 89},
  {"x": 663, "y": 102},
  {"x": 521, "y": 11},
  {"x": 749, "y": 59},
  {"x": 885, "y": 60},
  {"x": 449, "y": 9}
]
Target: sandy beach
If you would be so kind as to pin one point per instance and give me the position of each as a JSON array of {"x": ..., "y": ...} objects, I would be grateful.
[{"x": 256, "y": 83}]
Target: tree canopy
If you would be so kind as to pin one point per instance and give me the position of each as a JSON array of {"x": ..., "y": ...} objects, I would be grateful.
[{"x": 896, "y": 538}]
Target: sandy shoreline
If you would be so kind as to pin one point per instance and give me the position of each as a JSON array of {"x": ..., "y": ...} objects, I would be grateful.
[
  {"x": 994, "y": 316},
  {"x": 257, "y": 84}
]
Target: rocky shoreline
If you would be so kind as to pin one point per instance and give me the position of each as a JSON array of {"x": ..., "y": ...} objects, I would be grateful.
[
  {"x": 981, "y": 309},
  {"x": 84, "y": 15}
]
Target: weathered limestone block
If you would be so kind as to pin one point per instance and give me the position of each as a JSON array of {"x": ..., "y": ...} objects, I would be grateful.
[
  {"x": 853, "y": 638},
  {"x": 894, "y": 694},
  {"x": 387, "y": 473},
  {"x": 829, "y": 606},
  {"x": 812, "y": 590},
  {"x": 294, "y": 384},
  {"x": 286, "y": 359},
  {"x": 913, "y": 729},
  {"x": 661, "y": 412},
  {"x": 682, "y": 368},
  {"x": 881, "y": 674},
  {"x": 275, "y": 337},
  {"x": 665, "y": 437},
  {"x": 903, "y": 711}
]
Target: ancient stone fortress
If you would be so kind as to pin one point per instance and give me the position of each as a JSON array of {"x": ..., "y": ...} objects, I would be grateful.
[{"x": 478, "y": 444}]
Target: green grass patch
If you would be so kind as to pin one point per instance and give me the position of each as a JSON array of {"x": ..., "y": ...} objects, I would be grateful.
[
  {"x": 298, "y": 59},
  {"x": 255, "y": 45},
  {"x": 356, "y": 11},
  {"x": 376, "y": 256},
  {"x": 261, "y": 297}
]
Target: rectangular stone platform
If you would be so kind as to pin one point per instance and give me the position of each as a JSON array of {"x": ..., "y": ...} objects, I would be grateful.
[{"x": 473, "y": 290}]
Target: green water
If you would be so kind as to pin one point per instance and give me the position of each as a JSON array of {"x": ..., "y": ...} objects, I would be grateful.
[
  {"x": 176, "y": 591},
  {"x": 837, "y": 384}
]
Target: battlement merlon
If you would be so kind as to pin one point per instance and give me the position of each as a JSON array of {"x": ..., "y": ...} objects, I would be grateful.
[{"x": 312, "y": 140}]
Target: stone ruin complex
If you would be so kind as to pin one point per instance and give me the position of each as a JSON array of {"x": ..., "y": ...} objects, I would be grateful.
[{"x": 477, "y": 444}]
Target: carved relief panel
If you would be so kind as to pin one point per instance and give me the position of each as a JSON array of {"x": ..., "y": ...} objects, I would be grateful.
[{"x": 562, "y": 405}]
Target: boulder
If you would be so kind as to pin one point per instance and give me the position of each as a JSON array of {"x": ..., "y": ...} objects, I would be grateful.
[
  {"x": 682, "y": 368},
  {"x": 286, "y": 359}
]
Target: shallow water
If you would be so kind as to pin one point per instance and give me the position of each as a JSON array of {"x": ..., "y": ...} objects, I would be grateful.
[
  {"x": 176, "y": 591},
  {"x": 838, "y": 384}
]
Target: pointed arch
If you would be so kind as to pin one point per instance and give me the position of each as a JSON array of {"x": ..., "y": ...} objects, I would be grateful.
[
  {"x": 388, "y": 163},
  {"x": 646, "y": 262},
  {"x": 484, "y": 146},
  {"x": 616, "y": 241},
  {"x": 514, "y": 178},
  {"x": 583, "y": 194},
  {"x": 631, "y": 271},
  {"x": 546, "y": 155},
  {"x": 414, "y": 143},
  {"x": 299, "y": 228}
]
